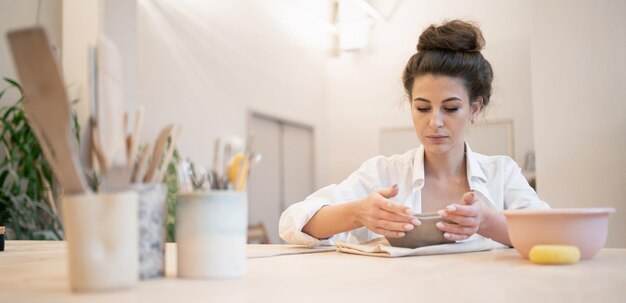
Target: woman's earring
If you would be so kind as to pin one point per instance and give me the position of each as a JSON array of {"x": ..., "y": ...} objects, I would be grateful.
[{"x": 472, "y": 121}]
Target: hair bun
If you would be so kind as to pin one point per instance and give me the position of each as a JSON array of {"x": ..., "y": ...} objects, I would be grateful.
[{"x": 457, "y": 35}]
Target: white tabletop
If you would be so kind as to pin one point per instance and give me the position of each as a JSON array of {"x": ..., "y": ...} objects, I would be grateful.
[{"x": 36, "y": 271}]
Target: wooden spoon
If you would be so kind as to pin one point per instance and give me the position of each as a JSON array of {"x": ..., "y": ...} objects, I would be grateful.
[{"x": 47, "y": 107}]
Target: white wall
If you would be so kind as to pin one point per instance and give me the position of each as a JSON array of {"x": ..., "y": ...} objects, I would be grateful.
[
  {"x": 70, "y": 24},
  {"x": 15, "y": 14},
  {"x": 119, "y": 23},
  {"x": 80, "y": 29},
  {"x": 365, "y": 92},
  {"x": 205, "y": 64},
  {"x": 215, "y": 60},
  {"x": 579, "y": 94}
]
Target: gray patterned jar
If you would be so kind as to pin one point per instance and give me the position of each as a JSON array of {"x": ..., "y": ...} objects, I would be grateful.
[{"x": 152, "y": 229}]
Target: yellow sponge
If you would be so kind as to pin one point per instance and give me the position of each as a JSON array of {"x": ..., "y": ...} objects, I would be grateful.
[{"x": 554, "y": 254}]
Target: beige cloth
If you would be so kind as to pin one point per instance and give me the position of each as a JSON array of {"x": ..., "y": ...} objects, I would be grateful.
[{"x": 379, "y": 247}]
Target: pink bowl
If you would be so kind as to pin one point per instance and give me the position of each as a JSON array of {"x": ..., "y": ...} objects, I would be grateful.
[{"x": 585, "y": 228}]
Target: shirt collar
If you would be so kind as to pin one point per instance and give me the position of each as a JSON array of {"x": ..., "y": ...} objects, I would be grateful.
[
  {"x": 418, "y": 167},
  {"x": 473, "y": 168}
]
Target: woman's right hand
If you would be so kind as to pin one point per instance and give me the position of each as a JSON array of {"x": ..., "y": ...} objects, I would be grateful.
[{"x": 382, "y": 216}]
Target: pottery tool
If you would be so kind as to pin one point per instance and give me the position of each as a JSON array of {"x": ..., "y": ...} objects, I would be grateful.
[
  {"x": 234, "y": 168},
  {"x": 198, "y": 176},
  {"x": 244, "y": 167},
  {"x": 242, "y": 177},
  {"x": 134, "y": 136},
  {"x": 115, "y": 173},
  {"x": 93, "y": 80},
  {"x": 93, "y": 138},
  {"x": 253, "y": 160},
  {"x": 223, "y": 178},
  {"x": 157, "y": 153},
  {"x": 86, "y": 141},
  {"x": 86, "y": 152},
  {"x": 185, "y": 175},
  {"x": 139, "y": 165},
  {"x": 126, "y": 137},
  {"x": 215, "y": 175},
  {"x": 110, "y": 109},
  {"x": 96, "y": 149},
  {"x": 47, "y": 107},
  {"x": 117, "y": 178},
  {"x": 167, "y": 157}
]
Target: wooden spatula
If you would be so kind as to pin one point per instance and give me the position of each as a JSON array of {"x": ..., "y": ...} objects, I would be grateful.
[
  {"x": 134, "y": 136},
  {"x": 139, "y": 165},
  {"x": 167, "y": 156},
  {"x": 157, "y": 154},
  {"x": 47, "y": 106}
]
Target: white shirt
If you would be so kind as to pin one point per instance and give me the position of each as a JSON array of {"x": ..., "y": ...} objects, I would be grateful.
[{"x": 496, "y": 180}]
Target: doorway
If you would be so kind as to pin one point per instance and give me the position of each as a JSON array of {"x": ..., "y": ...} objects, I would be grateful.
[{"x": 286, "y": 173}]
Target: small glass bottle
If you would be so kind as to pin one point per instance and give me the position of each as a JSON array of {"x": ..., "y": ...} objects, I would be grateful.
[{"x": 1, "y": 238}]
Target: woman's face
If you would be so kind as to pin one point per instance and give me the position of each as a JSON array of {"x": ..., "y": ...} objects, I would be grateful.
[{"x": 441, "y": 110}]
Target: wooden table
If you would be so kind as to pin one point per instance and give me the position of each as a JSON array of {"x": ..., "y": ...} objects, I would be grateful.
[{"x": 35, "y": 271}]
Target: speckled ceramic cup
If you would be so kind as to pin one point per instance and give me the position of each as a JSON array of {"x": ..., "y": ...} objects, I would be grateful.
[{"x": 152, "y": 218}]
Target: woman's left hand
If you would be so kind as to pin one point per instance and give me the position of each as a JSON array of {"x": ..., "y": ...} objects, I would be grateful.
[{"x": 468, "y": 216}]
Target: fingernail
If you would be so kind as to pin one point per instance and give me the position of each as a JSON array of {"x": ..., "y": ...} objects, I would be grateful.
[
  {"x": 408, "y": 227},
  {"x": 451, "y": 208},
  {"x": 408, "y": 211},
  {"x": 416, "y": 222},
  {"x": 439, "y": 224},
  {"x": 442, "y": 213},
  {"x": 401, "y": 234},
  {"x": 447, "y": 235}
]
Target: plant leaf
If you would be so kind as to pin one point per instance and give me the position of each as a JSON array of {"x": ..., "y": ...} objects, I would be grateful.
[
  {"x": 13, "y": 83},
  {"x": 24, "y": 175}
]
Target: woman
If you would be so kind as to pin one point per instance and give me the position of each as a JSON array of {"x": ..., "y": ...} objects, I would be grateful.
[{"x": 448, "y": 83}]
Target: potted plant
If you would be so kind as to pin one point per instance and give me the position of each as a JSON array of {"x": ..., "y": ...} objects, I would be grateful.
[{"x": 27, "y": 195}]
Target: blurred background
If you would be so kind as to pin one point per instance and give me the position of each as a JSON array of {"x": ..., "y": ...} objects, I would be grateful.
[{"x": 318, "y": 83}]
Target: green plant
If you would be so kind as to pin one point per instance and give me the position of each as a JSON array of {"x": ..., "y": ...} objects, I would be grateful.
[
  {"x": 171, "y": 180},
  {"x": 26, "y": 179}
]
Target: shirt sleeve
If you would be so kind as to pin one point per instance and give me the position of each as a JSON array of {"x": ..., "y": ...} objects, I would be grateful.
[
  {"x": 358, "y": 185},
  {"x": 518, "y": 194}
]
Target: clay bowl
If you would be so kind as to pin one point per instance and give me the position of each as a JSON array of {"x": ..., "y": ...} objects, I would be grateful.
[
  {"x": 585, "y": 228},
  {"x": 423, "y": 235}
]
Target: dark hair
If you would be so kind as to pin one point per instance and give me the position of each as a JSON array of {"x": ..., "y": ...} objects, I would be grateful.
[{"x": 452, "y": 49}]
